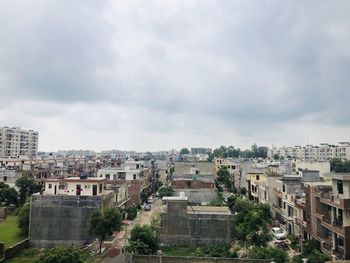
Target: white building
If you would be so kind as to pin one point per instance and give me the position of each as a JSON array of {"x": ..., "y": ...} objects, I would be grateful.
[
  {"x": 18, "y": 143},
  {"x": 132, "y": 170},
  {"x": 91, "y": 186},
  {"x": 324, "y": 152}
]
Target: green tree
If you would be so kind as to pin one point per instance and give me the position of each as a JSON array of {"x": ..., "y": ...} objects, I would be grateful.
[
  {"x": 132, "y": 212},
  {"x": 340, "y": 166},
  {"x": 261, "y": 152},
  {"x": 278, "y": 255},
  {"x": 8, "y": 196},
  {"x": 184, "y": 151},
  {"x": 27, "y": 186},
  {"x": 165, "y": 190},
  {"x": 252, "y": 222},
  {"x": 23, "y": 218},
  {"x": 311, "y": 251},
  {"x": 103, "y": 223},
  {"x": 223, "y": 175},
  {"x": 242, "y": 191},
  {"x": 143, "y": 240},
  {"x": 61, "y": 254}
]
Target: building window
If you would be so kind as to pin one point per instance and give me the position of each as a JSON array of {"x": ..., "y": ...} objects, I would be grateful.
[
  {"x": 258, "y": 177},
  {"x": 134, "y": 177},
  {"x": 100, "y": 188},
  {"x": 50, "y": 186},
  {"x": 340, "y": 187},
  {"x": 283, "y": 188},
  {"x": 108, "y": 176}
]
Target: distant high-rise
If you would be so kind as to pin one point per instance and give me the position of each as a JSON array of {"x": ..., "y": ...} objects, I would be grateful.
[
  {"x": 16, "y": 143},
  {"x": 201, "y": 150}
]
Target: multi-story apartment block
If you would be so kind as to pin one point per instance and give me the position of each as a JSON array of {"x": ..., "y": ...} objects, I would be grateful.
[
  {"x": 17, "y": 143},
  {"x": 324, "y": 152},
  {"x": 329, "y": 204},
  {"x": 254, "y": 180},
  {"x": 284, "y": 206},
  {"x": 195, "y": 151}
]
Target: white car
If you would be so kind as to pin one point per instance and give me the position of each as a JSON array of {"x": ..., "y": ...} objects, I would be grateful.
[{"x": 278, "y": 233}]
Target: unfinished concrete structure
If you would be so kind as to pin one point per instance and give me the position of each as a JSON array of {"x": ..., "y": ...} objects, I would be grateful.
[
  {"x": 63, "y": 219},
  {"x": 184, "y": 225}
]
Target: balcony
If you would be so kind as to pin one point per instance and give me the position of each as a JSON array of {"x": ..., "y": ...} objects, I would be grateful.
[
  {"x": 277, "y": 208},
  {"x": 327, "y": 246},
  {"x": 277, "y": 192},
  {"x": 300, "y": 203},
  {"x": 300, "y": 222}
]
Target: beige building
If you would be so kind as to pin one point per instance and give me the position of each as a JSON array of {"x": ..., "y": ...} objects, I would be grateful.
[{"x": 18, "y": 143}]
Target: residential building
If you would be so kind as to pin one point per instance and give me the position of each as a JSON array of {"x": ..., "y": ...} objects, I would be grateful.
[
  {"x": 200, "y": 150},
  {"x": 18, "y": 143},
  {"x": 60, "y": 214},
  {"x": 323, "y": 152},
  {"x": 132, "y": 172},
  {"x": 330, "y": 215},
  {"x": 186, "y": 225},
  {"x": 253, "y": 181}
]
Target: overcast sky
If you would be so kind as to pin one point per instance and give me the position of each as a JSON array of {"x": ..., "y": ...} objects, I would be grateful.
[{"x": 156, "y": 75}]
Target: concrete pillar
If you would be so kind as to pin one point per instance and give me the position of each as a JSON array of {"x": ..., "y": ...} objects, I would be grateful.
[
  {"x": 334, "y": 258},
  {"x": 334, "y": 241},
  {"x": 304, "y": 260}
]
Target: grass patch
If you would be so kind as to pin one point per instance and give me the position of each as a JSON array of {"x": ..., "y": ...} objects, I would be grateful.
[
  {"x": 10, "y": 234},
  {"x": 200, "y": 251}
]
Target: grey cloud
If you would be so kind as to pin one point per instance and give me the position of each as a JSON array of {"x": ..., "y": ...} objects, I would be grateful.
[{"x": 236, "y": 63}]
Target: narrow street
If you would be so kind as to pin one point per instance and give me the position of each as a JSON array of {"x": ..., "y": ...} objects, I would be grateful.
[{"x": 143, "y": 218}]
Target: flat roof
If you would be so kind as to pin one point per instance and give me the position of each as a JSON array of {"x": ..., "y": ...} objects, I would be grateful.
[
  {"x": 76, "y": 179},
  {"x": 174, "y": 198},
  {"x": 341, "y": 176},
  {"x": 223, "y": 210}
]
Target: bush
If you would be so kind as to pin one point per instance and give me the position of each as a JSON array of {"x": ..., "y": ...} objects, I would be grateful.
[
  {"x": 63, "y": 254},
  {"x": 278, "y": 255},
  {"x": 132, "y": 212}
]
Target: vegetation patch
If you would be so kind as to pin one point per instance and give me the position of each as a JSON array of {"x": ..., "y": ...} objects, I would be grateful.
[{"x": 10, "y": 233}]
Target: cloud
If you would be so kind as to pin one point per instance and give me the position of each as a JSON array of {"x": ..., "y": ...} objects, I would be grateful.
[{"x": 163, "y": 74}]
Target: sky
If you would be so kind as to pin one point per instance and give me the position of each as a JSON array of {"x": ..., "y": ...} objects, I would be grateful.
[{"x": 158, "y": 75}]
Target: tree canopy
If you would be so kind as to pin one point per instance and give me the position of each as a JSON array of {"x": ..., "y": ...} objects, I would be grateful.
[
  {"x": 103, "y": 223},
  {"x": 340, "y": 166},
  {"x": 143, "y": 240},
  {"x": 8, "y": 195},
  {"x": 251, "y": 221},
  {"x": 165, "y": 190},
  {"x": 230, "y": 151},
  {"x": 184, "y": 151},
  {"x": 27, "y": 186}
]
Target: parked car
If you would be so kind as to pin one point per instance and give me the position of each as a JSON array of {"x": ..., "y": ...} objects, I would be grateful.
[
  {"x": 278, "y": 233},
  {"x": 147, "y": 207}
]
